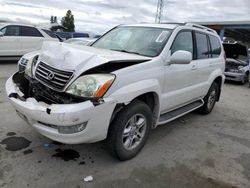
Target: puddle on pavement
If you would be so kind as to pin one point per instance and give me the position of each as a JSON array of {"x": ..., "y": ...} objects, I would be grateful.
[
  {"x": 15, "y": 143},
  {"x": 82, "y": 163},
  {"x": 28, "y": 151},
  {"x": 11, "y": 134},
  {"x": 57, "y": 143},
  {"x": 66, "y": 154}
]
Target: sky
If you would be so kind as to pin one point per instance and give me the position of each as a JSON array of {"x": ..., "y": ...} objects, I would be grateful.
[{"x": 99, "y": 16}]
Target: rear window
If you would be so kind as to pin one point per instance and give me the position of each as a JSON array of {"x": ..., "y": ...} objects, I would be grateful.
[
  {"x": 215, "y": 46},
  {"x": 202, "y": 46}
]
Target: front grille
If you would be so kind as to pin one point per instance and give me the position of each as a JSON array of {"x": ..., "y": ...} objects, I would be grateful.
[{"x": 52, "y": 77}]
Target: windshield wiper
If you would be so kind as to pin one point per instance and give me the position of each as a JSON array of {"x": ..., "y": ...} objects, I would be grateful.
[{"x": 130, "y": 52}]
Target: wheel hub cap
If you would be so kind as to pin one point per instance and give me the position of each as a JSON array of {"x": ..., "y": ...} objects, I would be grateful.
[{"x": 134, "y": 131}]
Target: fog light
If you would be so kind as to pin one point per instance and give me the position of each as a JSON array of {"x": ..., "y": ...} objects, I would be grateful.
[{"x": 72, "y": 129}]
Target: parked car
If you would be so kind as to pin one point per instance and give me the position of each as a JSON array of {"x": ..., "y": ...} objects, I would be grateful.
[
  {"x": 68, "y": 35},
  {"x": 19, "y": 39},
  {"x": 134, "y": 78},
  {"x": 237, "y": 70},
  {"x": 81, "y": 41},
  {"x": 237, "y": 63}
]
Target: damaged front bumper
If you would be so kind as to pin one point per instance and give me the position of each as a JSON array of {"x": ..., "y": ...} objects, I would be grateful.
[{"x": 51, "y": 119}]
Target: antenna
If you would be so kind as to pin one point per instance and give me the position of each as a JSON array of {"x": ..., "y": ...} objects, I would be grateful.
[{"x": 159, "y": 11}]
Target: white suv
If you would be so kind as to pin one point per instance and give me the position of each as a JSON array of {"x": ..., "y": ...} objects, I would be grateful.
[
  {"x": 19, "y": 39},
  {"x": 129, "y": 81}
]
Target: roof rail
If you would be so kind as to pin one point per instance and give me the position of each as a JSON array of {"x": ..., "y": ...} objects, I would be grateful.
[
  {"x": 201, "y": 27},
  {"x": 176, "y": 23}
]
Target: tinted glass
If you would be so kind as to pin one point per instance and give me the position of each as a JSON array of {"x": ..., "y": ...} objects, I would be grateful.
[
  {"x": 183, "y": 41},
  {"x": 202, "y": 46},
  {"x": 147, "y": 41},
  {"x": 50, "y": 33},
  {"x": 75, "y": 35},
  {"x": 215, "y": 46},
  {"x": 30, "y": 32},
  {"x": 11, "y": 30}
]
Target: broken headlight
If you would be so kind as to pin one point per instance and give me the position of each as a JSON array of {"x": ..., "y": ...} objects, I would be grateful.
[
  {"x": 91, "y": 86},
  {"x": 30, "y": 66},
  {"x": 22, "y": 64}
]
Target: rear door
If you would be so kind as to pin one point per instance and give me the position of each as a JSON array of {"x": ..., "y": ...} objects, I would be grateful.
[
  {"x": 31, "y": 39},
  {"x": 10, "y": 43},
  {"x": 208, "y": 52}
]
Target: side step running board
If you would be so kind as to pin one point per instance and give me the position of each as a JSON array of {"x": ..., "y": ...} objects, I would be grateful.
[{"x": 174, "y": 114}]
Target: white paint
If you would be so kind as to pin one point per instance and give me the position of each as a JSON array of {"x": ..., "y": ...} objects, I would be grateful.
[{"x": 173, "y": 85}]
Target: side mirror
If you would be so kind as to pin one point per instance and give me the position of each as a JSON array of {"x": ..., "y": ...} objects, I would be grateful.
[
  {"x": 1, "y": 34},
  {"x": 181, "y": 57}
]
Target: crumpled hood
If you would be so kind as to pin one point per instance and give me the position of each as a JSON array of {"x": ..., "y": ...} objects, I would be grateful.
[{"x": 76, "y": 57}]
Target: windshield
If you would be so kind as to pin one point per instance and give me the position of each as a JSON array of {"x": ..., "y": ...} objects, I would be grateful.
[{"x": 146, "y": 41}]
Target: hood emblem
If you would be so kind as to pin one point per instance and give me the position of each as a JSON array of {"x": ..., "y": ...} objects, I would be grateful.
[{"x": 50, "y": 75}]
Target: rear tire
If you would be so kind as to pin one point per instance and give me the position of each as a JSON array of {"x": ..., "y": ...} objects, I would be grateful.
[
  {"x": 129, "y": 130},
  {"x": 210, "y": 99}
]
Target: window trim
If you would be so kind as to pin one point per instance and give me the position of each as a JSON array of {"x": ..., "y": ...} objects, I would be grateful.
[
  {"x": 185, "y": 30},
  {"x": 12, "y": 35},
  {"x": 211, "y": 45},
  {"x": 41, "y": 35},
  {"x": 203, "y": 33}
]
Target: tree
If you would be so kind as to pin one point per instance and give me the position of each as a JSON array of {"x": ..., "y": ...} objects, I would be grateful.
[{"x": 68, "y": 22}]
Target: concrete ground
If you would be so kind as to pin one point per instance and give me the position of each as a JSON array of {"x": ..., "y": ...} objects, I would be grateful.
[{"x": 197, "y": 151}]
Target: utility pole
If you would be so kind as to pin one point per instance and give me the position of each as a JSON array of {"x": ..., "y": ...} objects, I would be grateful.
[{"x": 159, "y": 11}]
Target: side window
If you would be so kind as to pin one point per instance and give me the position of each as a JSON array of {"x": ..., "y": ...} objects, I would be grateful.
[
  {"x": 215, "y": 46},
  {"x": 202, "y": 46},
  {"x": 11, "y": 30},
  {"x": 30, "y": 32},
  {"x": 183, "y": 41}
]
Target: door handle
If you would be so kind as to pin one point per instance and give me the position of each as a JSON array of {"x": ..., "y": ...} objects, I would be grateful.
[{"x": 194, "y": 67}]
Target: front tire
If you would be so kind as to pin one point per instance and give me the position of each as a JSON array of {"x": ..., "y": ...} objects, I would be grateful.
[
  {"x": 210, "y": 99},
  {"x": 129, "y": 130}
]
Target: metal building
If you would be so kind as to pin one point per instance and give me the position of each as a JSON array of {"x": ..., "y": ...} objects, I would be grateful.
[{"x": 238, "y": 30}]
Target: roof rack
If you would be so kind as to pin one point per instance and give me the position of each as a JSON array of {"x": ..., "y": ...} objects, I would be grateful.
[
  {"x": 200, "y": 27},
  {"x": 175, "y": 23}
]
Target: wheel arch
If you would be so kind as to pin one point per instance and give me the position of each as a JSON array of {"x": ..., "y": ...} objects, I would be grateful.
[
  {"x": 218, "y": 80},
  {"x": 150, "y": 98}
]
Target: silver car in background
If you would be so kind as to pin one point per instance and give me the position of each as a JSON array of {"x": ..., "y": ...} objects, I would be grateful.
[
  {"x": 237, "y": 62},
  {"x": 237, "y": 70}
]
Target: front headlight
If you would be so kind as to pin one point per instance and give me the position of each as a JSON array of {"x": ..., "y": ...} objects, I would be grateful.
[
  {"x": 91, "y": 86},
  {"x": 22, "y": 64},
  {"x": 29, "y": 66}
]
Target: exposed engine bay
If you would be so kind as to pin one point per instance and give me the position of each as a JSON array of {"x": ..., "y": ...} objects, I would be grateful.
[{"x": 33, "y": 88}]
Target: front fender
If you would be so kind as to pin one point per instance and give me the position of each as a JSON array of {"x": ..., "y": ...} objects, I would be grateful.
[{"x": 133, "y": 90}]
